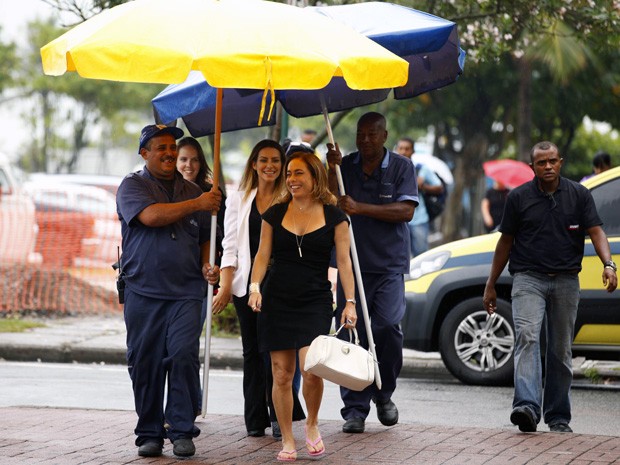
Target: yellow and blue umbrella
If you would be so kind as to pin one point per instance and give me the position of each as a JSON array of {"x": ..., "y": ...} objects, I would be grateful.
[{"x": 429, "y": 44}]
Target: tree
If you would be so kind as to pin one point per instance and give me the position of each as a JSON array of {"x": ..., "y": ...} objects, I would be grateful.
[
  {"x": 68, "y": 106},
  {"x": 82, "y": 10},
  {"x": 8, "y": 62},
  {"x": 526, "y": 33}
]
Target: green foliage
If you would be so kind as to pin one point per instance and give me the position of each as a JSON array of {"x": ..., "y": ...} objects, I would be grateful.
[
  {"x": 8, "y": 63},
  {"x": 593, "y": 375},
  {"x": 491, "y": 28},
  {"x": 74, "y": 102},
  {"x": 226, "y": 323},
  {"x": 589, "y": 141}
]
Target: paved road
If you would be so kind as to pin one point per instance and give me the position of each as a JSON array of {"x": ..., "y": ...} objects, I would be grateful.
[{"x": 444, "y": 402}]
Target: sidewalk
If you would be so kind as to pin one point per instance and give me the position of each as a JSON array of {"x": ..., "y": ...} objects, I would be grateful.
[
  {"x": 67, "y": 437},
  {"x": 102, "y": 340}
]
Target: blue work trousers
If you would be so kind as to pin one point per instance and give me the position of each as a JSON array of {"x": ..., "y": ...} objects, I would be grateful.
[
  {"x": 534, "y": 297},
  {"x": 163, "y": 345},
  {"x": 385, "y": 294}
]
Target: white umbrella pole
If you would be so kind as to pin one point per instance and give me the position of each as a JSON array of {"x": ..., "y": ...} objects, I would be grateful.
[
  {"x": 356, "y": 263},
  {"x": 212, "y": 256},
  {"x": 207, "y": 350}
]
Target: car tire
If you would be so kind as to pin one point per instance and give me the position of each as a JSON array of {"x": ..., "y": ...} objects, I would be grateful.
[{"x": 476, "y": 348}]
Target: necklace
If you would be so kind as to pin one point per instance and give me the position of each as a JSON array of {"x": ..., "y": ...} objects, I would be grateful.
[{"x": 299, "y": 240}]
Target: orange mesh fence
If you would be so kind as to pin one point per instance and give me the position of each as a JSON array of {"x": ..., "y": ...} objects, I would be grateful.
[{"x": 56, "y": 258}]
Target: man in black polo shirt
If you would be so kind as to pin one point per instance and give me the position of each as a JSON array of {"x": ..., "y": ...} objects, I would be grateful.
[{"x": 543, "y": 231}]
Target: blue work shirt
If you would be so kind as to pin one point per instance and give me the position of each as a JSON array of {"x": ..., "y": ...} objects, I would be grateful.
[
  {"x": 382, "y": 247},
  {"x": 161, "y": 262}
]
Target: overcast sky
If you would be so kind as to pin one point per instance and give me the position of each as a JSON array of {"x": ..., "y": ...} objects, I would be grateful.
[{"x": 14, "y": 16}]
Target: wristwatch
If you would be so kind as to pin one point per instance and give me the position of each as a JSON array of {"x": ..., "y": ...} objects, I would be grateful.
[{"x": 611, "y": 264}]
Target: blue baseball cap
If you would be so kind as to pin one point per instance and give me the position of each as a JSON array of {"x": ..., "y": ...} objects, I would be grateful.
[{"x": 152, "y": 130}]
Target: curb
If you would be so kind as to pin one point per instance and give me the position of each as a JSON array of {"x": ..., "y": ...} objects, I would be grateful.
[
  {"x": 69, "y": 354},
  {"x": 412, "y": 367},
  {"x": 219, "y": 360}
]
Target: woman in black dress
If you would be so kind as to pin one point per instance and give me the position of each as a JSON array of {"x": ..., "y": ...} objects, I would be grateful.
[
  {"x": 261, "y": 184},
  {"x": 296, "y": 303}
]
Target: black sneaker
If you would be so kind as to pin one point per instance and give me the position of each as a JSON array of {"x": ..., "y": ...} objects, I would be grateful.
[
  {"x": 275, "y": 430},
  {"x": 560, "y": 428},
  {"x": 387, "y": 412},
  {"x": 151, "y": 448},
  {"x": 524, "y": 419},
  {"x": 184, "y": 447},
  {"x": 353, "y": 425}
]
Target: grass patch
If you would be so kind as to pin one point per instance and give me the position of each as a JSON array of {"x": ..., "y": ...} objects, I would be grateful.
[
  {"x": 14, "y": 325},
  {"x": 225, "y": 323},
  {"x": 593, "y": 375}
]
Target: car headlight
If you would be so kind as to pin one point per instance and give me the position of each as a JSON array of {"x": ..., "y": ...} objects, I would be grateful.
[{"x": 427, "y": 263}]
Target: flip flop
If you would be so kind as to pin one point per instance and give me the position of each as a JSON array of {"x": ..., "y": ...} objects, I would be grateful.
[
  {"x": 287, "y": 456},
  {"x": 311, "y": 446}
]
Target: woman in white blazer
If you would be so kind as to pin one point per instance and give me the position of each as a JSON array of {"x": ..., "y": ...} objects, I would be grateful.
[{"x": 261, "y": 185}]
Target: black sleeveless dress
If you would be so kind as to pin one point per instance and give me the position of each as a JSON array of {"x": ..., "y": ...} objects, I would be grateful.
[{"x": 297, "y": 303}]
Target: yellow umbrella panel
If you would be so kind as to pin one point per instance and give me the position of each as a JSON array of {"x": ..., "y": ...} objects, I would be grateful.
[{"x": 235, "y": 43}]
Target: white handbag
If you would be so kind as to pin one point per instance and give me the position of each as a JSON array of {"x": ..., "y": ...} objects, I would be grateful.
[{"x": 345, "y": 363}]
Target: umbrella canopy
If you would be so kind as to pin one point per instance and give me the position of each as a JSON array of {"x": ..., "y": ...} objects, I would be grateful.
[
  {"x": 234, "y": 43},
  {"x": 511, "y": 173},
  {"x": 436, "y": 164},
  {"x": 195, "y": 100},
  {"x": 428, "y": 43}
]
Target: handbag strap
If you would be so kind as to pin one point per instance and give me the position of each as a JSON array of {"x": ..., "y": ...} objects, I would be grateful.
[{"x": 351, "y": 333}]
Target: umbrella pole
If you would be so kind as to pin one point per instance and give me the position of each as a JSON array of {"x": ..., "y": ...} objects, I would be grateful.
[
  {"x": 356, "y": 263},
  {"x": 212, "y": 257}
]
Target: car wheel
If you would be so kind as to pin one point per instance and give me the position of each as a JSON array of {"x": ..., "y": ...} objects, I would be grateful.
[{"x": 478, "y": 348}]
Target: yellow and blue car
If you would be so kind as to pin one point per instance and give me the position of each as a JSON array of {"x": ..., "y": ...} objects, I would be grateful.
[{"x": 444, "y": 301}]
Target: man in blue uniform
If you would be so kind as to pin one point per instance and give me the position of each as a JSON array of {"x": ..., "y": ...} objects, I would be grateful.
[
  {"x": 543, "y": 231},
  {"x": 381, "y": 196},
  {"x": 165, "y": 224}
]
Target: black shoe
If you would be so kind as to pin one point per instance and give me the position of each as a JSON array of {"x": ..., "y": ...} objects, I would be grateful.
[
  {"x": 560, "y": 428},
  {"x": 524, "y": 419},
  {"x": 256, "y": 433},
  {"x": 151, "y": 448},
  {"x": 275, "y": 430},
  {"x": 387, "y": 412},
  {"x": 353, "y": 425},
  {"x": 184, "y": 447}
]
